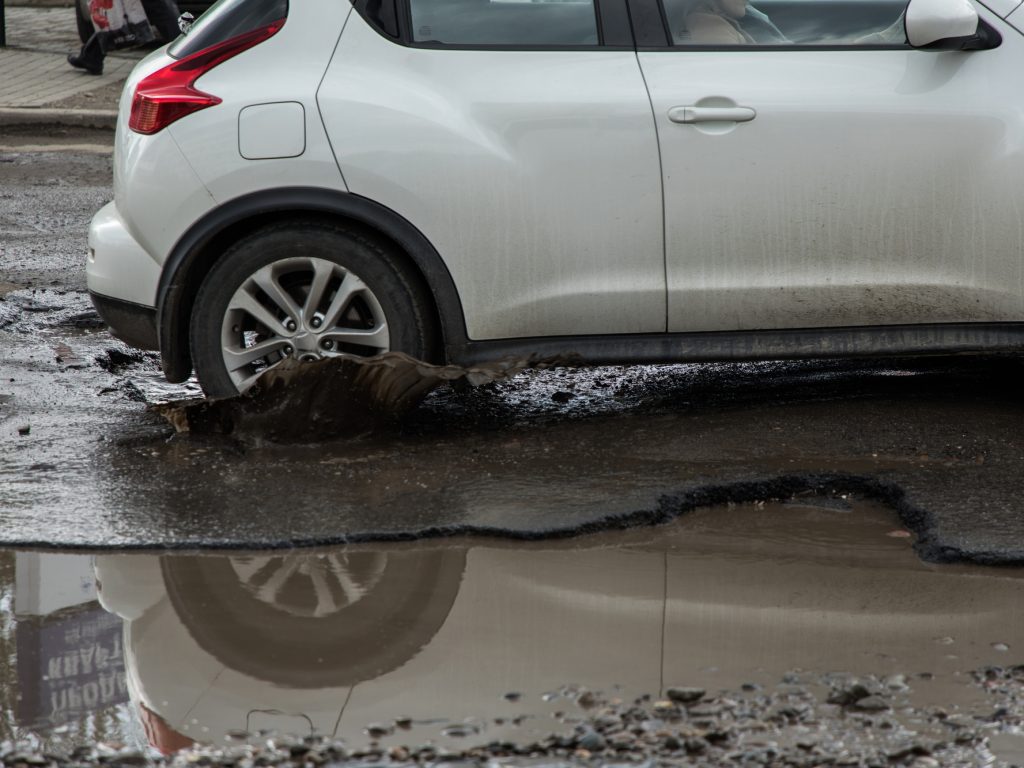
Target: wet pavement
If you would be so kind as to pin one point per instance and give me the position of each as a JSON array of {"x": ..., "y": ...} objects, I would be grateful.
[
  {"x": 806, "y": 633},
  {"x": 39, "y": 85},
  {"x": 742, "y": 564},
  {"x": 83, "y": 463}
]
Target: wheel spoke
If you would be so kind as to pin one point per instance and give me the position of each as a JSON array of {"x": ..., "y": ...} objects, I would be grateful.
[
  {"x": 350, "y": 286},
  {"x": 270, "y": 588},
  {"x": 325, "y": 602},
  {"x": 247, "y": 566},
  {"x": 323, "y": 271},
  {"x": 243, "y": 383},
  {"x": 266, "y": 280},
  {"x": 377, "y": 338},
  {"x": 235, "y": 359},
  {"x": 246, "y": 302},
  {"x": 349, "y": 587}
]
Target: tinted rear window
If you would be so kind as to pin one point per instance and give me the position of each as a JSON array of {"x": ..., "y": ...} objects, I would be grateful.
[{"x": 226, "y": 19}]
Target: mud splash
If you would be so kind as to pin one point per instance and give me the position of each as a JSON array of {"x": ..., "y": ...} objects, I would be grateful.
[{"x": 337, "y": 397}]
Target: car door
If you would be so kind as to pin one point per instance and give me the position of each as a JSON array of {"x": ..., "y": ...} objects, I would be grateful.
[
  {"x": 835, "y": 176},
  {"x": 517, "y": 137}
]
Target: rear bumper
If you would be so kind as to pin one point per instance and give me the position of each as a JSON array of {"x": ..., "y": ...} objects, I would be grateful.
[
  {"x": 118, "y": 267},
  {"x": 122, "y": 279},
  {"x": 133, "y": 324}
]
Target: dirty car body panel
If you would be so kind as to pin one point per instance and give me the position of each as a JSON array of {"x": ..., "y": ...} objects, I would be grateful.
[
  {"x": 889, "y": 192},
  {"x": 599, "y": 183}
]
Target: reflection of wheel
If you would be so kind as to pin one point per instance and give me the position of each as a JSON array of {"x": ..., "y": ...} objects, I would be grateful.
[
  {"x": 306, "y": 291},
  {"x": 310, "y": 586},
  {"x": 83, "y": 20},
  {"x": 315, "y": 620}
]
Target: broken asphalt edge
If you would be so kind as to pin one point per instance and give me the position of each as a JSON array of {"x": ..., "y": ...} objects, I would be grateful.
[
  {"x": 104, "y": 119},
  {"x": 667, "y": 509}
]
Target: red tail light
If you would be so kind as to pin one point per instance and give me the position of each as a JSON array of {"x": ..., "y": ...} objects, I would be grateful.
[{"x": 169, "y": 93}]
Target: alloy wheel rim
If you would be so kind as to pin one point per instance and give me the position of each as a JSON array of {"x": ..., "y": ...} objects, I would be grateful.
[
  {"x": 307, "y": 585},
  {"x": 304, "y": 308}
]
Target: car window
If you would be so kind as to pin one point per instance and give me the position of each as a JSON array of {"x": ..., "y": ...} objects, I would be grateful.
[
  {"x": 845, "y": 23},
  {"x": 226, "y": 19},
  {"x": 504, "y": 22}
]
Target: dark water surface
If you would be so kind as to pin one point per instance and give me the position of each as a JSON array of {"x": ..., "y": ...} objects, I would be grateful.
[{"x": 160, "y": 651}]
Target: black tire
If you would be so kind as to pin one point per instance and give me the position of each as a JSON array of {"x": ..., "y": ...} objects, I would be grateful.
[
  {"x": 401, "y": 296},
  {"x": 82, "y": 20}
]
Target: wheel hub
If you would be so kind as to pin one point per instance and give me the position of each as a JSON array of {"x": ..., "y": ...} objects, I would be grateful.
[
  {"x": 307, "y": 346},
  {"x": 306, "y": 343}
]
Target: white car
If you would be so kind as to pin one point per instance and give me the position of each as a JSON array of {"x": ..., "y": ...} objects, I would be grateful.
[{"x": 615, "y": 181}]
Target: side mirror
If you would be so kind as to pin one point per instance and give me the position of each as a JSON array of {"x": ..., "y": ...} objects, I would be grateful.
[{"x": 948, "y": 25}]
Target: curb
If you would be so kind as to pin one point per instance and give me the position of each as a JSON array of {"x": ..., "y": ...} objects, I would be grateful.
[{"x": 105, "y": 119}]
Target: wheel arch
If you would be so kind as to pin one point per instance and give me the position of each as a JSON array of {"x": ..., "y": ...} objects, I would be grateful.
[{"x": 196, "y": 252}]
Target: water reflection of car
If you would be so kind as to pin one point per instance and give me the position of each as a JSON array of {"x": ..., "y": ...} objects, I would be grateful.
[
  {"x": 251, "y": 642},
  {"x": 85, "y": 28},
  {"x": 330, "y": 642}
]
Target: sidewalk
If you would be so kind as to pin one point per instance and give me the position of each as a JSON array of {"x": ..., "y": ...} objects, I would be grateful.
[{"x": 39, "y": 87}]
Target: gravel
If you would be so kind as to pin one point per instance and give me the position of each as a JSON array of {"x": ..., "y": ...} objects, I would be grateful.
[{"x": 829, "y": 720}]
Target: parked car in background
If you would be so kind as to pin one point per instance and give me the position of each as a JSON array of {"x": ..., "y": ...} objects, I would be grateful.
[
  {"x": 85, "y": 27},
  {"x": 465, "y": 180}
]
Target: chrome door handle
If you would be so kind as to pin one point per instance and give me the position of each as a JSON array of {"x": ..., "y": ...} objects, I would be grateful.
[{"x": 711, "y": 114}]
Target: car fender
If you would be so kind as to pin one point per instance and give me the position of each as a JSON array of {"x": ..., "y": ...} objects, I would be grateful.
[{"x": 197, "y": 250}]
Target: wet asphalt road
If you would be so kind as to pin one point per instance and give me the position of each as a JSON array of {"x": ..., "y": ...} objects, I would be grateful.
[{"x": 84, "y": 464}]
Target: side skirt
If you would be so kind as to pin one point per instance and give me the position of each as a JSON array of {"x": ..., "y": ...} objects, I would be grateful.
[{"x": 881, "y": 341}]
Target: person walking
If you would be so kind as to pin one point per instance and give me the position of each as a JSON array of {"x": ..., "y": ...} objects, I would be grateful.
[{"x": 124, "y": 23}]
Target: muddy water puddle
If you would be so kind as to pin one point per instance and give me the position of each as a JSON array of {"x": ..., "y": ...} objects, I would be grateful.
[{"x": 725, "y": 633}]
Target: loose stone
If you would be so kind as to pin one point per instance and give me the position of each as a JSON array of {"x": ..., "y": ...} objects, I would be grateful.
[
  {"x": 685, "y": 695},
  {"x": 871, "y": 704}
]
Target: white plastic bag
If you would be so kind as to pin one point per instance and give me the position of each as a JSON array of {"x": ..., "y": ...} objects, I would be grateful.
[{"x": 120, "y": 23}]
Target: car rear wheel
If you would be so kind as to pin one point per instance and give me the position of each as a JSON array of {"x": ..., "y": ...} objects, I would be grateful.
[{"x": 305, "y": 291}]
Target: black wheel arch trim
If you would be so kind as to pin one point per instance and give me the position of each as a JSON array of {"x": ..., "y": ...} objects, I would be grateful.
[
  {"x": 132, "y": 323},
  {"x": 175, "y": 294}
]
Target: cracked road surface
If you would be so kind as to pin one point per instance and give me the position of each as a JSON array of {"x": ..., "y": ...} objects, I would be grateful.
[{"x": 84, "y": 464}]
